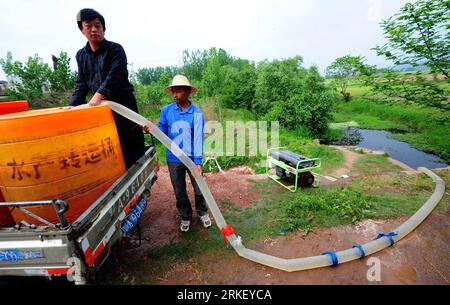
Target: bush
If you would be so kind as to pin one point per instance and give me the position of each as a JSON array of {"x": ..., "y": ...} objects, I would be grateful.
[
  {"x": 329, "y": 206},
  {"x": 153, "y": 94},
  {"x": 309, "y": 104}
]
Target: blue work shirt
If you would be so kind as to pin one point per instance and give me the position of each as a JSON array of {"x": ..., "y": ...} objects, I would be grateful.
[{"x": 184, "y": 128}]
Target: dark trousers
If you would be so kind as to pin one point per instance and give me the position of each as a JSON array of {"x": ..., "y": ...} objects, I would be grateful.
[
  {"x": 130, "y": 134},
  {"x": 177, "y": 173}
]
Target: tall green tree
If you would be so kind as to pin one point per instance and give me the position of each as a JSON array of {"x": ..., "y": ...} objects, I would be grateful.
[
  {"x": 239, "y": 86},
  {"x": 194, "y": 63},
  {"x": 419, "y": 34},
  {"x": 146, "y": 76},
  {"x": 294, "y": 96},
  {"x": 214, "y": 77},
  {"x": 346, "y": 68},
  {"x": 277, "y": 81}
]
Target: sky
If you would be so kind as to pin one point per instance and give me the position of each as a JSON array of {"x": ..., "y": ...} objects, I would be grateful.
[{"x": 154, "y": 33}]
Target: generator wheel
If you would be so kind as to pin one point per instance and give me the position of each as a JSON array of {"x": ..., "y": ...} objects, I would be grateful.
[{"x": 305, "y": 179}]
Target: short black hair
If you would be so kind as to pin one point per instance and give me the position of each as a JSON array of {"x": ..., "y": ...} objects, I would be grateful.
[{"x": 87, "y": 14}]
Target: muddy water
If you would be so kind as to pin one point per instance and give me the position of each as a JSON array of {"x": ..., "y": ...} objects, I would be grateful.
[{"x": 382, "y": 140}]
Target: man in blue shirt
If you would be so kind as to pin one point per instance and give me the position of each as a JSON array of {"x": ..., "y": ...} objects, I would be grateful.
[{"x": 184, "y": 124}]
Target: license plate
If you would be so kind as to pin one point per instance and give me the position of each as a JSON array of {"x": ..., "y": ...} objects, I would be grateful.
[{"x": 134, "y": 217}]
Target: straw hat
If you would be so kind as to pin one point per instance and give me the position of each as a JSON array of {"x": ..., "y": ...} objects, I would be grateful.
[{"x": 180, "y": 80}]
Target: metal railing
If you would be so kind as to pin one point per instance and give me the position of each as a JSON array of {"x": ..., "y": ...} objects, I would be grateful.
[{"x": 60, "y": 207}]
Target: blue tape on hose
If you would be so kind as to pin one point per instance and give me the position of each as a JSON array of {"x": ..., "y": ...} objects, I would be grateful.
[
  {"x": 333, "y": 256},
  {"x": 361, "y": 250},
  {"x": 388, "y": 236}
]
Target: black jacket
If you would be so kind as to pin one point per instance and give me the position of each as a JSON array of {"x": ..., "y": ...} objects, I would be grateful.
[{"x": 103, "y": 71}]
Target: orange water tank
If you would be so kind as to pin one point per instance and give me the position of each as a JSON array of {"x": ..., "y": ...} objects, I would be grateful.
[
  {"x": 55, "y": 153},
  {"x": 5, "y": 108},
  {"x": 11, "y": 107}
]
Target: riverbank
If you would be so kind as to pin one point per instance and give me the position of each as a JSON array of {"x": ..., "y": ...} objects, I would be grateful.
[
  {"x": 384, "y": 142},
  {"x": 425, "y": 128}
]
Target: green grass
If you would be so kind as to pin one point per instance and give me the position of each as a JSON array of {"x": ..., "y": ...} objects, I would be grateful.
[
  {"x": 324, "y": 207},
  {"x": 374, "y": 164},
  {"x": 394, "y": 196},
  {"x": 343, "y": 123},
  {"x": 358, "y": 90}
]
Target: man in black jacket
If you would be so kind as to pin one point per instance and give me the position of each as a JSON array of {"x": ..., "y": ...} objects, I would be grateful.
[{"x": 102, "y": 70}]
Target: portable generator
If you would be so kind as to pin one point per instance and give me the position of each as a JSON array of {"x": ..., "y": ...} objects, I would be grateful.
[{"x": 292, "y": 170}]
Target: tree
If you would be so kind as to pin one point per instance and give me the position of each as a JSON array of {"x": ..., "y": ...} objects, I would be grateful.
[
  {"x": 409, "y": 88},
  {"x": 61, "y": 78},
  {"x": 346, "y": 68},
  {"x": 419, "y": 34},
  {"x": 194, "y": 63},
  {"x": 277, "y": 81},
  {"x": 214, "y": 77},
  {"x": 311, "y": 106},
  {"x": 294, "y": 96},
  {"x": 28, "y": 79},
  {"x": 239, "y": 86},
  {"x": 146, "y": 76}
]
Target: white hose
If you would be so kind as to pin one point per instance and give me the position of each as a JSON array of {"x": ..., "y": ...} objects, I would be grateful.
[{"x": 295, "y": 264}]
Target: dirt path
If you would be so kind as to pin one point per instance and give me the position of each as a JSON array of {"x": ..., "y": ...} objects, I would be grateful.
[{"x": 349, "y": 159}]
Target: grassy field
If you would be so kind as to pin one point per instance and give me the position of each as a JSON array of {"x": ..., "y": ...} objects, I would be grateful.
[{"x": 373, "y": 164}]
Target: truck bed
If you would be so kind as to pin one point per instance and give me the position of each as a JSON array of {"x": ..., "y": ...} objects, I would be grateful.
[{"x": 78, "y": 249}]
